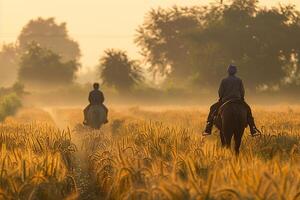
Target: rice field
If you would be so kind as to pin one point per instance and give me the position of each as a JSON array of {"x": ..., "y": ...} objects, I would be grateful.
[{"x": 147, "y": 153}]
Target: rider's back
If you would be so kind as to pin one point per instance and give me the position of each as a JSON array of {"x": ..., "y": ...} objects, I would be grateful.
[
  {"x": 231, "y": 88},
  {"x": 96, "y": 97}
]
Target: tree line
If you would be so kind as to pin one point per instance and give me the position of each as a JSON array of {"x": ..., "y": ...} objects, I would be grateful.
[{"x": 186, "y": 46}]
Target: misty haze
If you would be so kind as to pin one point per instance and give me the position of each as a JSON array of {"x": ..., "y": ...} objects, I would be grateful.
[{"x": 167, "y": 99}]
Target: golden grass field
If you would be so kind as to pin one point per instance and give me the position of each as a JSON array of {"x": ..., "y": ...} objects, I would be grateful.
[{"x": 147, "y": 153}]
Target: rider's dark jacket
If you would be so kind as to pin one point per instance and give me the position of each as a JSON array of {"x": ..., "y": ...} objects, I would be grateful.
[
  {"x": 231, "y": 88},
  {"x": 96, "y": 97}
]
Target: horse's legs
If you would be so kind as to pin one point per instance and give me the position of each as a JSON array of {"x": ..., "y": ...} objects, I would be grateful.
[
  {"x": 237, "y": 140},
  {"x": 226, "y": 135},
  {"x": 222, "y": 136}
]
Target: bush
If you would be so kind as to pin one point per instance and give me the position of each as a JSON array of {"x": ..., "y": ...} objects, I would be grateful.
[{"x": 9, "y": 104}]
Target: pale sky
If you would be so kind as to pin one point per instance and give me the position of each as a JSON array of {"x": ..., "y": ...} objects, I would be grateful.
[{"x": 95, "y": 24}]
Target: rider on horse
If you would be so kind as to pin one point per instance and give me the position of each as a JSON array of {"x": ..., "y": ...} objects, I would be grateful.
[
  {"x": 231, "y": 88},
  {"x": 96, "y": 97}
]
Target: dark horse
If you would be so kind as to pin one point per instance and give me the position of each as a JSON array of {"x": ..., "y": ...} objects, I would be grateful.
[
  {"x": 96, "y": 116},
  {"x": 232, "y": 121}
]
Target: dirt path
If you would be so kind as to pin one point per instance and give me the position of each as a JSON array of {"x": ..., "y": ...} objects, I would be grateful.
[
  {"x": 84, "y": 181},
  {"x": 85, "y": 185}
]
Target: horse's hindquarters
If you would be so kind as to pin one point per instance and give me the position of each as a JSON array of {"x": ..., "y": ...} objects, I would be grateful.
[
  {"x": 235, "y": 116},
  {"x": 96, "y": 116},
  {"x": 233, "y": 123}
]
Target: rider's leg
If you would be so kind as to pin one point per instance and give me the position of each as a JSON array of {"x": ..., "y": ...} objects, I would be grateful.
[
  {"x": 85, "y": 113},
  {"x": 251, "y": 122},
  {"x": 106, "y": 111},
  {"x": 210, "y": 119}
]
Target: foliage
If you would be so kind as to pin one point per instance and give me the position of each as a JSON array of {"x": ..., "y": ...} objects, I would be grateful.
[
  {"x": 45, "y": 32},
  {"x": 48, "y": 34},
  {"x": 17, "y": 88},
  {"x": 117, "y": 70},
  {"x": 198, "y": 43},
  {"x": 8, "y": 64},
  {"x": 10, "y": 100},
  {"x": 40, "y": 66},
  {"x": 162, "y": 39},
  {"x": 9, "y": 104}
]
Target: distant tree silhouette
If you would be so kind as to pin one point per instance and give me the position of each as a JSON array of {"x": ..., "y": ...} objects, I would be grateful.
[
  {"x": 40, "y": 66},
  {"x": 50, "y": 35},
  {"x": 162, "y": 38},
  {"x": 260, "y": 41},
  {"x": 117, "y": 70},
  {"x": 8, "y": 64},
  {"x": 17, "y": 88},
  {"x": 199, "y": 42}
]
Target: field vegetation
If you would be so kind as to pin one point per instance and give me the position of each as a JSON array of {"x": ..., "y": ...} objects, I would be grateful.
[
  {"x": 35, "y": 162},
  {"x": 163, "y": 156},
  {"x": 147, "y": 154}
]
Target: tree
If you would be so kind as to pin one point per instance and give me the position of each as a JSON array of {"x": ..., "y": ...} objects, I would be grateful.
[
  {"x": 263, "y": 42},
  {"x": 9, "y": 105},
  {"x": 17, "y": 88},
  {"x": 260, "y": 41},
  {"x": 8, "y": 64},
  {"x": 242, "y": 36},
  {"x": 162, "y": 38},
  {"x": 50, "y": 35},
  {"x": 40, "y": 66},
  {"x": 117, "y": 70}
]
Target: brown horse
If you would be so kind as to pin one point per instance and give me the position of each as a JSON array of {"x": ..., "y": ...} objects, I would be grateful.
[
  {"x": 232, "y": 121},
  {"x": 96, "y": 116}
]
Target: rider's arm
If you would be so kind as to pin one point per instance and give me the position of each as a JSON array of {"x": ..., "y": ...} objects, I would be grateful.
[
  {"x": 242, "y": 90},
  {"x": 221, "y": 90},
  {"x": 101, "y": 98},
  {"x": 90, "y": 97}
]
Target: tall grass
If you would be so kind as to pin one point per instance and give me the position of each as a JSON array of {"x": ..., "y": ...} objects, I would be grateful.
[
  {"x": 35, "y": 162},
  {"x": 151, "y": 155},
  {"x": 168, "y": 159}
]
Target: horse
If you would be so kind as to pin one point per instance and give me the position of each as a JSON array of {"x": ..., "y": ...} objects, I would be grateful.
[
  {"x": 232, "y": 121},
  {"x": 96, "y": 116}
]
